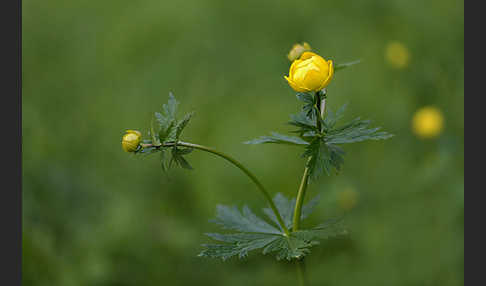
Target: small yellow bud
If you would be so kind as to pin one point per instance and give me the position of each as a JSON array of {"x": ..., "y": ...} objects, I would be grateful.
[
  {"x": 397, "y": 55},
  {"x": 131, "y": 140},
  {"x": 297, "y": 50},
  {"x": 310, "y": 73},
  {"x": 428, "y": 122}
]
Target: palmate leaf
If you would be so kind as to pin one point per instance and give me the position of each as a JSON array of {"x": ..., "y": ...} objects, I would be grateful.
[
  {"x": 167, "y": 118},
  {"x": 167, "y": 129},
  {"x": 286, "y": 209},
  {"x": 178, "y": 157},
  {"x": 304, "y": 122},
  {"x": 324, "y": 152},
  {"x": 333, "y": 117},
  {"x": 355, "y": 131},
  {"x": 255, "y": 233},
  {"x": 246, "y": 221},
  {"x": 278, "y": 139},
  {"x": 182, "y": 124},
  {"x": 310, "y": 102},
  {"x": 322, "y": 147},
  {"x": 323, "y": 157}
]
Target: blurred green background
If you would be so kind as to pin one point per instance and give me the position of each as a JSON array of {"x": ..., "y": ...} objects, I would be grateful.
[{"x": 95, "y": 215}]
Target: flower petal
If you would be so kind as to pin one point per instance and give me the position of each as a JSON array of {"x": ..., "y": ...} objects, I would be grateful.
[
  {"x": 313, "y": 80},
  {"x": 307, "y": 55},
  {"x": 330, "y": 74},
  {"x": 294, "y": 86}
]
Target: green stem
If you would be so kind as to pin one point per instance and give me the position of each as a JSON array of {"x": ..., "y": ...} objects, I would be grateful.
[
  {"x": 300, "y": 199},
  {"x": 320, "y": 102},
  {"x": 242, "y": 168},
  {"x": 318, "y": 110},
  {"x": 301, "y": 273}
]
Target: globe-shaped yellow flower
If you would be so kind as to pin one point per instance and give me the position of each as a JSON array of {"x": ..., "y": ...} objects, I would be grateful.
[
  {"x": 310, "y": 73},
  {"x": 428, "y": 122},
  {"x": 131, "y": 140}
]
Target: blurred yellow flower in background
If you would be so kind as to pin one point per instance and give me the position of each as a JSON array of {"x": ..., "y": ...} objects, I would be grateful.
[
  {"x": 428, "y": 122},
  {"x": 297, "y": 50},
  {"x": 397, "y": 55},
  {"x": 347, "y": 199},
  {"x": 310, "y": 73}
]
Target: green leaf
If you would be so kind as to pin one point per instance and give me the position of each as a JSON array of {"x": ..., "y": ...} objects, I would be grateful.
[
  {"x": 155, "y": 139},
  {"x": 286, "y": 207},
  {"x": 170, "y": 108},
  {"x": 345, "y": 65},
  {"x": 166, "y": 130},
  {"x": 326, "y": 230},
  {"x": 183, "y": 163},
  {"x": 305, "y": 97},
  {"x": 177, "y": 157},
  {"x": 169, "y": 130},
  {"x": 298, "y": 244},
  {"x": 245, "y": 221},
  {"x": 255, "y": 233},
  {"x": 355, "y": 131},
  {"x": 163, "y": 161},
  {"x": 323, "y": 158},
  {"x": 167, "y": 120},
  {"x": 182, "y": 124},
  {"x": 304, "y": 122},
  {"x": 239, "y": 247},
  {"x": 321, "y": 145},
  {"x": 319, "y": 160},
  {"x": 331, "y": 118},
  {"x": 323, "y": 150},
  {"x": 278, "y": 139},
  {"x": 146, "y": 150},
  {"x": 289, "y": 248}
]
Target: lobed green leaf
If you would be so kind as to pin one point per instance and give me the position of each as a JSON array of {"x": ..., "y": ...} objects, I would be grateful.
[
  {"x": 278, "y": 139},
  {"x": 255, "y": 233}
]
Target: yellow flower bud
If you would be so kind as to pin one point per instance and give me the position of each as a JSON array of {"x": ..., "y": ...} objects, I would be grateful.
[
  {"x": 131, "y": 140},
  {"x": 397, "y": 55},
  {"x": 310, "y": 73},
  {"x": 428, "y": 122},
  {"x": 297, "y": 50}
]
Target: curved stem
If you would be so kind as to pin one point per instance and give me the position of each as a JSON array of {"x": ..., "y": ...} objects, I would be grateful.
[
  {"x": 242, "y": 168},
  {"x": 300, "y": 199}
]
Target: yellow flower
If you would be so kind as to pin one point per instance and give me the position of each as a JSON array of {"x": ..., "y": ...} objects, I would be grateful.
[
  {"x": 347, "y": 199},
  {"x": 310, "y": 73},
  {"x": 428, "y": 122},
  {"x": 297, "y": 51},
  {"x": 131, "y": 140},
  {"x": 397, "y": 55}
]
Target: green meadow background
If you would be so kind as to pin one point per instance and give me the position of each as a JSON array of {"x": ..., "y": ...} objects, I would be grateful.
[{"x": 95, "y": 215}]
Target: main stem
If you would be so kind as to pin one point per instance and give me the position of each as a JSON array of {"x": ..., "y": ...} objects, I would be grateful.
[
  {"x": 301, "y": 273},
  {"x": 242, "y": 168},
  {"x": 321, "y": 104}
]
